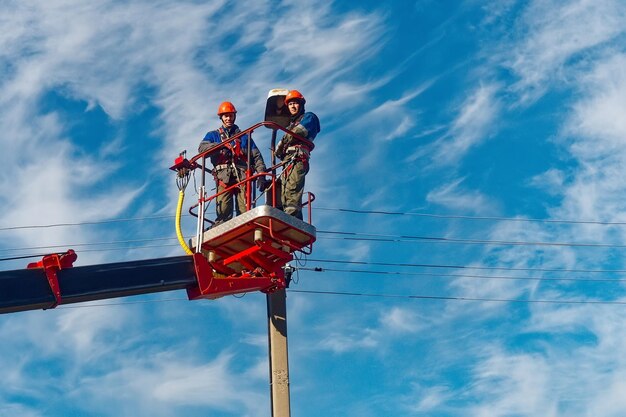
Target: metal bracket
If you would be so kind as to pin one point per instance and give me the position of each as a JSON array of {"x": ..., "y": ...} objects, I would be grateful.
[
  {"x": 212, "y": 285},
  {"x": 51, "y": 264},
  {"x": 182, "y": 163},
  {"x": 289, "y": 270}
]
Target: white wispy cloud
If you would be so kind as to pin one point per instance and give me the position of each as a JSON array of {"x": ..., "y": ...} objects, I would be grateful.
[
  {"x": 106, "y": 357},
  {"x": 571, "y": 343},
  {"x": 160, "y": 383},
  {"x": 553, "y": 33},
  {"x": 517, "y": 384},
  {"x": 596, "y": 124},
  {"x": 19, "y": 410},
  {"x": 401, "y": 320},
  {"x": 474, "y": 123},
  {"x": 391, "y": 119},
  {"x": 593, "y": 136},
  {"x": 546, "y": 378},
  {"x": 80, "y": 330},
  {"x": 375, "y": 330},
  {"x": 428, "y": 399},
  {"x": 552, "y": 181},
  {"x": 454, "y": 196},
  {"x": 345, "y": 342}
]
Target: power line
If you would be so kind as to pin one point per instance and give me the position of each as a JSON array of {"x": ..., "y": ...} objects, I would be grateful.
[
  {"x": 438, "y": 297},
  {"x": 391, "y": 264},
  {"x": 112, "y": 242},
  {"x": 127, "y": 248},
  {"x": 94, "y": 222},
  {"x": 436, "y": 239},
  {"x": 356, "y": 271},
  {"x": 452, "y": 216},
  {"x": 131, "y": 247},
  {"x": 358, "y": 237},
  {"x": 505, "y": 268},
  {"x": 375, "y": 295},
  {"x": 39, "y": 255},
  {"x": 380, "y": 212}
]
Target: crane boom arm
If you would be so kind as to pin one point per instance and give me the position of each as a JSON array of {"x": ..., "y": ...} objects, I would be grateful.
[{"x": 29, "y": 289}]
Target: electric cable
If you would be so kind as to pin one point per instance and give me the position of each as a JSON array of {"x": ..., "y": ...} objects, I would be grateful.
[
  {"x": 177, "y": 226},
  {"x": 436, "y": 239},
  {"x": 182, "y": 179},
  {"x": 393, "y": 238},
  {"x": 128, "y": 248},
  {"x": 387, "y": 264},
  {"x": 427, "y": 274},
  {"x": 37, "y": 255},
  {"x": 452, "y": 216},
  {"x": 381, "y": 212},
  {"x": 504, "y": 268},
  {"x": 88, "y": 223},
  {"x": 378, "y": 295},
  {"x": 450, "y": 298},
  {"x": 113, "y": 242}
]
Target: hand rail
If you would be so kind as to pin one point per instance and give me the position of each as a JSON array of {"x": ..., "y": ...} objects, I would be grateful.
[{"x": 249, "y": 130}]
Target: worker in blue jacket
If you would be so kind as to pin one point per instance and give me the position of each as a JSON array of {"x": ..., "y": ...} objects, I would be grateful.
[
  {"x": 229, "y": 163},
  {"x": 295, "y": 153}
]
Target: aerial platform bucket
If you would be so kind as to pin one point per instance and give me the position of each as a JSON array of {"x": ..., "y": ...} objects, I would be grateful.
[{"x": 256, "y": 244}]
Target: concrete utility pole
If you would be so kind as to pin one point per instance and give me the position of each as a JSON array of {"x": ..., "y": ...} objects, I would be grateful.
[{"x": 279, "y": 363}]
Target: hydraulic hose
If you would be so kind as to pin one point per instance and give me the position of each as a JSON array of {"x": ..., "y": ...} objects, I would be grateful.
[{"x": 179, "y": 233}]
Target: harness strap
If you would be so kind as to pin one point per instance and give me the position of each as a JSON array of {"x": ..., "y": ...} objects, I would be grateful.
[
  {"x": 298, "y": 146},
  {"x": 220, "y": 167},
  {"x": 236, "y": 148},
  {"x": 301, "y": 149},
  {"x": 295, "y": 122}
]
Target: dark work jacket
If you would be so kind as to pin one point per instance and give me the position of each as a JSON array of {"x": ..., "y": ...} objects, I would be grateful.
[
  {"x": 306, "y": 125},
  {"x": 226, "y": 157}
]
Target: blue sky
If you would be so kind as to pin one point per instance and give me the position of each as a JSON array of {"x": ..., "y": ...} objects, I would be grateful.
[{"x": 460, "y": 109}]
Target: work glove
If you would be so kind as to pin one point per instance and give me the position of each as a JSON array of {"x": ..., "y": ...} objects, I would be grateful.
[
  {"x": 281, "y": 148},
  {"x": 263, "y": 183}
]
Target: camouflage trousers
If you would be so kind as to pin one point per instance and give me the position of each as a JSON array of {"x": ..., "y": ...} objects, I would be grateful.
[{"x": 292, "y": 186}]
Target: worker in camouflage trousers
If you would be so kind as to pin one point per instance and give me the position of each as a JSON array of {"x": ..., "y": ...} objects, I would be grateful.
[
  {"x": 296, "y": 153},
  {"x": 230, "y": 162}
]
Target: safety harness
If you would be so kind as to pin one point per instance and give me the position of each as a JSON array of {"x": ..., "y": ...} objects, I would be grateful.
[
  {"x": 229, "y": 161},
  {"x": 298, "y": 152}
]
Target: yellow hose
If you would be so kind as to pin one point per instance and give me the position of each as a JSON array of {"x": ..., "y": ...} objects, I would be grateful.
[{"x": 179, "y": 234}]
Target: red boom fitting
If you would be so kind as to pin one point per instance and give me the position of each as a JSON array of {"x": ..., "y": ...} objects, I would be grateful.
[
  {"x": 51, "y": 264},
  {"x": 213, "y": 285}
]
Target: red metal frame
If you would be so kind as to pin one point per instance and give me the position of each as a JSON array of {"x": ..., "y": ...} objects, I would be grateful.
[
  {"x": 234, "y": 186},
  {"x": 182, "y": 163},
  {"x": 249, "y": 130},
  {"x": 51, "y": 264},
  {"x": 262, "y": 261},
  {"x": 212, "y": 285}
]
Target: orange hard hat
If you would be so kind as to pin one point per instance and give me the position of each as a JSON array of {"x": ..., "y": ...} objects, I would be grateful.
[
  {"x": 226, "y": 107},
  {"x": 294, "y": 95}
]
